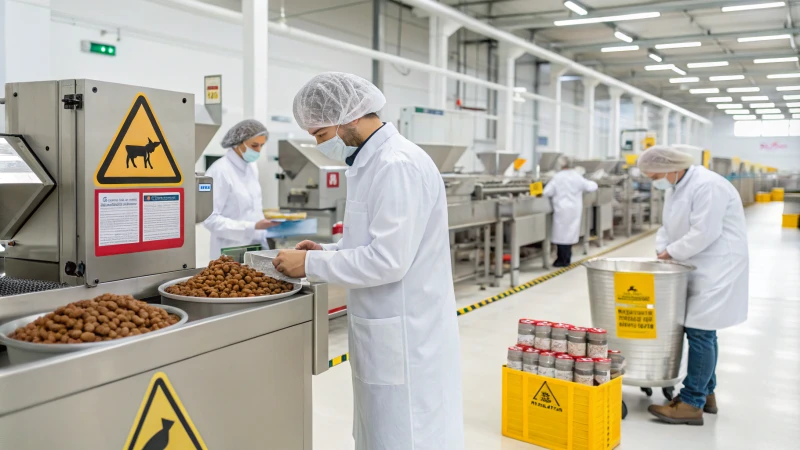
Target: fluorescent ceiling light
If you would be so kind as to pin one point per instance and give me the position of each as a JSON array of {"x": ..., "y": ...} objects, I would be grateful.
[
  {"x": 704, "y": 91},
  {"x": 576, "y": 8},
  {"x": 768, "y": 111},
  {"x": 655, "y": 57},
  {"x": 794, "y": 110},
  {"x": 729, "y": 106},
  {"x": 719, "y": 99},
  {"x": 795, "y": 116},
  {"x": 678, "y": 45},
  {"x": 775, "y": 60},
  {"x": 726, "y": 78},
  {"x": 660, "y": 67},
  {"x": 793, "y": 105},
  {"x": 679, "y": 71},
  {"x": 743, "y": 89},
  {"x": 737, "y": 111},
  {"x": 791, "y": 97},
  {"x": 783, "y": 75},
  {"x": 752, "y": 6},
  {"x": 619, "y": 18},
  {"x": 772, "y": 116},
  {"x": 744, "y": 117},
  {"x": 788, "y": 88},
  {"x": 754, "y": 98},
  {"x": 622, "y": 36},
  {"x": 762, "y": 105},
  {"x": 764, "y": 38},
  {"x": 707, "y": 64},
  {"x": 619, "y": 48},
  {"x": 684, "y": 80}
]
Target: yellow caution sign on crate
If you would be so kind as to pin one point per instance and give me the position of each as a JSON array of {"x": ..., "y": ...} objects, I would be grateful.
[{"x": 162, "y": 421}]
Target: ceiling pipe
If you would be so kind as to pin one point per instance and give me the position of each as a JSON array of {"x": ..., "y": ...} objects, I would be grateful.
[{"x": 479, "y": 27}]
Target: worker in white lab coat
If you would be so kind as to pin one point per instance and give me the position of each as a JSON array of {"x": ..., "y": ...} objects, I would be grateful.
[
  {"x": 704, "y": 225},
  {"x": 394, "y": 258},
  {"x": 238, "y": 216},
  {"x": 565, "y": 191}
]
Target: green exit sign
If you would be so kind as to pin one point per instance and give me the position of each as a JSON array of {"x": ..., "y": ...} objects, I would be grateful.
[{"x": 98, "y": 47}]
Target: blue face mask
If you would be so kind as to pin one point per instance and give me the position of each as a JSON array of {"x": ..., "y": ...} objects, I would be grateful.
[
  {"x": 335, "y": 148},
  {"x": 250, "y": 155}
]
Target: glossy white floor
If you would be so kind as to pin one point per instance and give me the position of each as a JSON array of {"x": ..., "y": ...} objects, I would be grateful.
[{"x": 758, "y": 371}]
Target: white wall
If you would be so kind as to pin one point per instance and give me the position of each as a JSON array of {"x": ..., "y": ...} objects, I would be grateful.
[{"x": 780, "y": 152}]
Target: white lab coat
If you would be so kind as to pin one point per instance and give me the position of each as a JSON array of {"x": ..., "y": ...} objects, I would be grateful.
[
  {"x": 566, "y": 190},
  {"x": 704, "y": 226},
  {"x": 394, "y": 258},
  {"x": 237, "y": 204}
]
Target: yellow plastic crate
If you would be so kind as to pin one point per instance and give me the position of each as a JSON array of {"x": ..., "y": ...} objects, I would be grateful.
[
  {"x": 763, "y": 197},
  {"x": 791, "y": 221},
  {"x": 777, "y": 194},
  {"x": 561, "y": 415}
]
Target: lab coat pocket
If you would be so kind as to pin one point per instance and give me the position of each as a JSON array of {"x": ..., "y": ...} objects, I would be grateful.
[
  {"x": 356, "y": 225},
  {"x": 378, "y": 350}
]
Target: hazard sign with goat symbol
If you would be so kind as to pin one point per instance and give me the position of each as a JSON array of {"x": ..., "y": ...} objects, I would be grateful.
[{"x": 135, "y": 151}]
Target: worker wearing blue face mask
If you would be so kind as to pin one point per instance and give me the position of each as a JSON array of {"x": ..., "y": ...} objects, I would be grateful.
[
  {"x": 704, "y": 225},
  {"x": 238, "y": 217}
]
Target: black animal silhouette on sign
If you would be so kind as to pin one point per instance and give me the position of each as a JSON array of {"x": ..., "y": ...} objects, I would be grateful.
[
  {"x": 135, "y": 151},
  {"x": 160, "y": 440}
]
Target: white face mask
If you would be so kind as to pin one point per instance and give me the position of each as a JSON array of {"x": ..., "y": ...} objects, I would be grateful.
[
  {"x": 335, "y": 148},
  {"x": 663, "y": 184}
]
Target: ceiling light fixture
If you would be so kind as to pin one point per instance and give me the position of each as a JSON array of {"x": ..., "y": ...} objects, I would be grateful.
[
  {"x": 655, "y": 57},
  {"x": 622, "y": 36},
  {"x": 729, "y": 106},
  {"x": 752, "y": 6},
  {"x": 684, "y": 80},
  {"x": 744, "y": 117},
  {"x": 704, "y": 91},
  {"x": 619, "y": 48},
  {"x": 775, "y": 60},
  {"x": 787, "y": 88},
  {"x": 737, "y": 111},
  {"x": 794, "y": 110},
  {"x": 619, "y": 18},
  {"x": 772, "y": 116},
  {"x": 762, "y": 105},
  {"x": 768, "y": 111},
  {"x": 679, "y": 71},
  {"x": 793, "y": 105},
  {"x": 791, "y": 97},
  {"x": 719, "y": 99},
  {"x": 726, "y": 78},
  {"x": 576, "y": 8},
  {"x": 754, "y": 98},
  {"x": 660, "y": 67},
  {"x": 795, "y": 116},
  {"x": 764, "y": 38},
  {"x": 743, "y": 89},
  {"x": 678, "y": 45},
  {"x": 783, "y": 75},
  {"x": 707, "y": 64}
]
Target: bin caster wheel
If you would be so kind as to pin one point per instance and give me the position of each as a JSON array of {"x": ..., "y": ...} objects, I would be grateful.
[
  {"x": 669, "y": 392},
  {"x": 648, "y": 391},
  {"x": 624, "y": 410}
]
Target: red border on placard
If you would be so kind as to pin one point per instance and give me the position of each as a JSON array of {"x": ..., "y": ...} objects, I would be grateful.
[{"x": 141, "y": 246}]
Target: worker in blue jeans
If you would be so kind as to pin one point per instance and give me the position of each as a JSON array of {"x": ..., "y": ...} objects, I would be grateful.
[{"x": 704, "y": 225}]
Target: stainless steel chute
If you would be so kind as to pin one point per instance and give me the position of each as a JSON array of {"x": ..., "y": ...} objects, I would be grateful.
[{"x": 24, "y": 183}]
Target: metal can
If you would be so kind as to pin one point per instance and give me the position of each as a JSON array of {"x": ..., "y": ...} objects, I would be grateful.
[
  {"x": 597, "y": 345},
  {"x": 564, "y": 366},
  {"x": 514, "y": 358},
  {"x": 547, "y": 364},
  {"x": 541, "y": 339},
  {"x": 584, "y": 371},
  {"x": 530, "y": 360},
  {"x": 525, "y": 332},
  {"x": 602, "y": 370},
  {"x": 558, "y": 337}
]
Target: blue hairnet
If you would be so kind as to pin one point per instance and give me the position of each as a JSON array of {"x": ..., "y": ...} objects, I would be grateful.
[
  {"x": 335, "y": 98},
  {"x": 242, "y": 131}
]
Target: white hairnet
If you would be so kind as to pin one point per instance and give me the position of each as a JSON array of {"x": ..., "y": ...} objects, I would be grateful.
[
  {"x": 565, "y": 162},
  {"x": 663, "y": 159},
  {"x": 335, "y": 98},
  {"x": 242, "y": 131}
]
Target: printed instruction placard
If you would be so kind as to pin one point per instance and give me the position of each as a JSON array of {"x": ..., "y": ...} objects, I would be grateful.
[
  {"x": 635, "y": 301},
  {"x": 138, "y": 220},
  {"x": 636, "y": 323}
]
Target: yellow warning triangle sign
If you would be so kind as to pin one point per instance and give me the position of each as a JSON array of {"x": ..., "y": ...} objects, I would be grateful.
[
  {"x": 139, "y": 154},
  {"x": 162, "y": 422}
]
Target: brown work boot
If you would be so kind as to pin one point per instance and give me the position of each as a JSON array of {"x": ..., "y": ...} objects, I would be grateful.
[
  {"x": 677, "y": 412},
  {"x": 711, "y": 404}
]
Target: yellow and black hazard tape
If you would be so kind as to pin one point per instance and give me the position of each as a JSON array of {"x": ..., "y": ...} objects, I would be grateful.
[{"x": 488, "y": 301}]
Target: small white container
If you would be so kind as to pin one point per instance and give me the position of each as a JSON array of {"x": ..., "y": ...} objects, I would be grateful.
[
  {"x": 602, "y": 370},
  {"x": 514, "y": 358},
  {"x": 525, "y": 332},
  {"x": 564, "y": 366},
  {"x": 558, "y": 337},
  {"x": 584, "y": 371},
  {"x": 547, "y": 364},
  {"x": 530, "y": 360},
  {"x": 597, "y": 343}
]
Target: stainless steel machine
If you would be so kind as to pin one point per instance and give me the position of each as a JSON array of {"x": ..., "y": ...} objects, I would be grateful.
[
  {"x": 311, "y": 183},
  {"x": 102, "y": 197}
]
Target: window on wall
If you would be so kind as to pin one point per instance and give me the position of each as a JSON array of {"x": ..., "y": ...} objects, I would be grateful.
[{"x": 766, "y": 128}]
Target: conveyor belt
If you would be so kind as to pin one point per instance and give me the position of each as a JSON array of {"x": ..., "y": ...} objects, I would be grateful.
[{"x": 15, "y": 286}]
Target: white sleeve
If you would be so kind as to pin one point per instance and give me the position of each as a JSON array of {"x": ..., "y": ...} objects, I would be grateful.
[
  {"x": 217, "y": 223},
  {"x": 399, "y": 207},
  {"x": 549, "y": 189},
  {"x": 708, "y": 206},
  {"x": 589, "y": 185},
  {"x": 332, "y": 247},
  {"x": 662, "y": 240}
]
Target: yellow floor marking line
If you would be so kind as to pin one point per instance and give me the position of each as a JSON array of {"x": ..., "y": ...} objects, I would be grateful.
[{"x": 505, "y": 294}]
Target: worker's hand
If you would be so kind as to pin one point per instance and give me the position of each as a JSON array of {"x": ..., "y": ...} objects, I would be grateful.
[
  {"x": 264, "y": 224},
  {"x": 664, "y": 255},
  {"x": 308, "y": 245},
  {"x": 291, "y": 263}
]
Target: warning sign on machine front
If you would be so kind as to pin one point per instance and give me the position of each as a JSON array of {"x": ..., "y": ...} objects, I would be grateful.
[{"x": 634, "y": 288}]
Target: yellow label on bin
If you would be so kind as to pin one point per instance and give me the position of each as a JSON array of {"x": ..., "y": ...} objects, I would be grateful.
[
  {"x": 635, "y": 288},
  {"x": 636, "y": 322},
  {"x": 536, "y": 188}
]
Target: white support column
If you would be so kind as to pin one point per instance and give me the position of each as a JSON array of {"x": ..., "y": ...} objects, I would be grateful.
[
  {"x": 439, "y": 32},
  {"x": 507, "y": 56},
  {"x": 613, "y": 132},
  {"x": 555, "y": 85},
  {"x": 589, "y": 89},
  {"x": 663, "y": 137},
  {"x": 255, "y": 14},
  {"x": 638, "y": 122}
]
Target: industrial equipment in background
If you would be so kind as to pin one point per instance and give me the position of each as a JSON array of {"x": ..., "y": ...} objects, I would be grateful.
[{"x": 98, "y": 195}]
